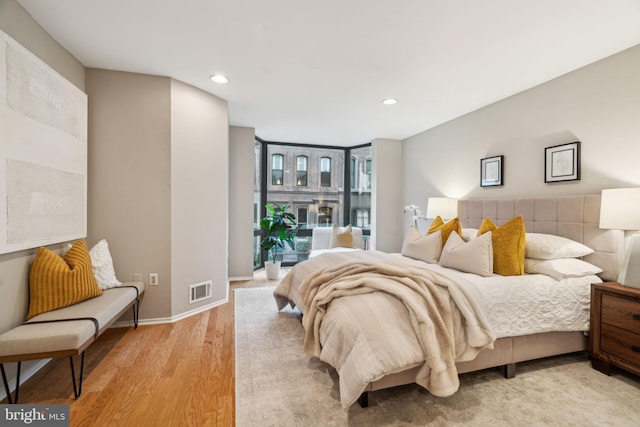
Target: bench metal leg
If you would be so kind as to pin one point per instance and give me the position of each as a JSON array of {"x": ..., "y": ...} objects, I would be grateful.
[
  {"x": 77, "y": 390},
  {"x": 77, "y": 384},
  {"x": 6, "y": 384},
  {"x": 136, "y": 313}
]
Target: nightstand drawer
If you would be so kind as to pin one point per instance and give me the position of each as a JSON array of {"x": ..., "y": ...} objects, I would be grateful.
[
  {"x": 620, "y": 343},
  {"x": 621, "y": 312}
]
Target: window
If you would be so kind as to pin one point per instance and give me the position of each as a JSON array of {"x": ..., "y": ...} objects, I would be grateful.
[
  {"x": 363, "y": 218},
  {"x": 259, "y": 180},
  {"x": 301, "y": 171},
  {"x": 360, "y": 218},
  {"x": 314, "y": 181},
  {"x": 352, "y": 172},
  {"x": 302, "y": 217},
  {"x": 368, "y": 175},
  {"x": 277, "y": 162},
  {"x": 325, "y": 172},
  {"x": 325, "y": 216},
  {"x": 360, "y": 194}
]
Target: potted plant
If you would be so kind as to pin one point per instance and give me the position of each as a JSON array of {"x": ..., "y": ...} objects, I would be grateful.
[{"x": 281, "y": 228}]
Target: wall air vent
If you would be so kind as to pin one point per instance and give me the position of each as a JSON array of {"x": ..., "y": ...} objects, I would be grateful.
[{"x": 199, "y": 291}]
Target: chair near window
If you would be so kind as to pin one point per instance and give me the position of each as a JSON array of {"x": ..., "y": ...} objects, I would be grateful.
[{"x": 321, "y": 237}]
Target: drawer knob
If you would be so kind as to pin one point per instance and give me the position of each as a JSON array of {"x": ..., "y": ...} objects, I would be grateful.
[
  {"x": 635, "y": 348},
  {"x": 635, "y": 316}
]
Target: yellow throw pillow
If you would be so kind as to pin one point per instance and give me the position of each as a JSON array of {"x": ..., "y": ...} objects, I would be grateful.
[
  {"x": 56, "y": 282},
  {"x": 445, "y": 228},
  {"x": 341, "y": 237},
  {"x": 508, "y": 243}
]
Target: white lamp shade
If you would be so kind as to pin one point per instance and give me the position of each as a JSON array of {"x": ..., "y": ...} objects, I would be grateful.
[
  {"x": 444, "y": 207},
  {"x": 620, "y": 209},
  {"x": 630, "y": 271}
]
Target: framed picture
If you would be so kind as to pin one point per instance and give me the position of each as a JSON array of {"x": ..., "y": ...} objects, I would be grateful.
[
  {"x": 491, "y": 171},
  {"x": 562, "y": 162}
]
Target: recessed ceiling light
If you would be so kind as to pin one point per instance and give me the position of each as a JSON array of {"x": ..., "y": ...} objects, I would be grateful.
[
  {"x": 219, "y": 78},
  {"x": 389, "y": 101}
]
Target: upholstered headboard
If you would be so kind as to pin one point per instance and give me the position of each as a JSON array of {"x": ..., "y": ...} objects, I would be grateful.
[{"x": 574, "y": 217}]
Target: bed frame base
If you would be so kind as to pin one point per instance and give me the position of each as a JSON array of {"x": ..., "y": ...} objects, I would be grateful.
[
  {"x": 363, "y": 400},
  {"x": 509, "y": 372},
  {"x": 507, "y": 352}
]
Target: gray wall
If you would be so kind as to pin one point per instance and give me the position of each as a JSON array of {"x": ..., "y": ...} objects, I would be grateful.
[
  {"x": 598, "y": 104},
  {"x": 158, "y": 185},
  {"x": 130, "y": 177},
  {"x": 14, "y": 267},
  {"x": 199, "y": 195},
  {"x": 241, "y": 178}
]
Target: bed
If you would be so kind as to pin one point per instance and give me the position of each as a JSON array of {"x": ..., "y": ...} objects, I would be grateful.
[{"x": 352, "y": 322}]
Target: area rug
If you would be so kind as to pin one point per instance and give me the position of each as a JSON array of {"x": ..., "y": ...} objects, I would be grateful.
[{"x": 277, "y": 384}]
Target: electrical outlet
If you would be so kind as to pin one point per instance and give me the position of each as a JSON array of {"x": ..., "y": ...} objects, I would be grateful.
[
  {"x": 137, "y": 277},
  {"x": 153, "y": 279}
]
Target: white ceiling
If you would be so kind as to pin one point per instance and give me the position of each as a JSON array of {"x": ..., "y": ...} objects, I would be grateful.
[{"x": 317, "y": 71}]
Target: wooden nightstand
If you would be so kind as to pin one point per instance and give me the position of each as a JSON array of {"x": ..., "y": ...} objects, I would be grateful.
[{"x": 614, "y": 338}]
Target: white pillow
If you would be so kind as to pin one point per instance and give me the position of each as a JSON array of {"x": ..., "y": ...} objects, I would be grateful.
[
  {"x": 548, "y": 246},
  {"x": 102, "y": 264},
  {"x": 424, "y": 248},
  {"x": 469, "y": 233},
  {"x": 560, "y": 268},
  {"x": 475, "y": 256}
]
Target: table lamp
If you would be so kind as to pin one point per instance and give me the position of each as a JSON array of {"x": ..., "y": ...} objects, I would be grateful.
[
  {"x": 445, "y": 207},
  {"x": 620, "y": 209}
]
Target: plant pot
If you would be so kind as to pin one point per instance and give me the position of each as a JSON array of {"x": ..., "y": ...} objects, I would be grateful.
[{"x": 273, "y": 269}]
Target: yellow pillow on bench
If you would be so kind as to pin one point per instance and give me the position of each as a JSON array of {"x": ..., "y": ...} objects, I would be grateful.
[{"x": 57, "y": 282}]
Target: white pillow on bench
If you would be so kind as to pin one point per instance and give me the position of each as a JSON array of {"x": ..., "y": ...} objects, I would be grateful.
[{"x": 102, "y": 265}]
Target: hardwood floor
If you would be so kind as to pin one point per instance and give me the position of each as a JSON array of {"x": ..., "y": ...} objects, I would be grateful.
[{"x": 179, "y": 374}]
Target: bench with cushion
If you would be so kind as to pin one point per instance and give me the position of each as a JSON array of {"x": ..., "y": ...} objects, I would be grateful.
[
  {"x": 67, "y": 331},
  {"x": 67, "y": 312}
]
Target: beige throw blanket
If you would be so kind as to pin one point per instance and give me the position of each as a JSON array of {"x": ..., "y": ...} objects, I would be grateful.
[{"x": 387, "y": 305}]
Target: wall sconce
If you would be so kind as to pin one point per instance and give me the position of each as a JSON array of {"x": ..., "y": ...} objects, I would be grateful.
[{"x": 620, "y": 209}]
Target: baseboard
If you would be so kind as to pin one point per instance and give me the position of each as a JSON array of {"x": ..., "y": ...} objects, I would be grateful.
[
  {"x": 240, "y": 278},
  {"x": 172, "y": 319},
  {"x": 24, "y": 376}
]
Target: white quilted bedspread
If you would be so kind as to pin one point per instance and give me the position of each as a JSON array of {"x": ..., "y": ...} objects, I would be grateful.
[{"x": 533, "y": 303}]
